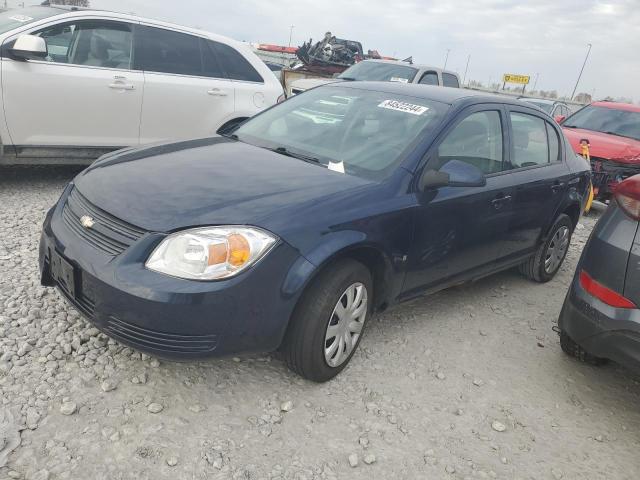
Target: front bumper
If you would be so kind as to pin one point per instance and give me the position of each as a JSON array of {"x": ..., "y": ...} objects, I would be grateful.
[
  {"x": 606, "y": 174},
  {"x": 600, "y": 329},
  {"x": 171, "y": 317}
]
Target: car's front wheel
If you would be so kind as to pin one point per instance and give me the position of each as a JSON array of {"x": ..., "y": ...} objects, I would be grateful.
[
  {"x": 544, "y": 265},
  {"x": 329, "y": 320}
]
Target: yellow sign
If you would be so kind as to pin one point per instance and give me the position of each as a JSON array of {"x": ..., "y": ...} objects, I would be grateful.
[{"x": 511, "y": 78}]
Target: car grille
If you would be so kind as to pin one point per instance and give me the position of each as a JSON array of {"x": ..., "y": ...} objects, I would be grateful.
[
  {"x": 107, "y": 234},
  {"x": 82, "y": 303},
  {"x": 159, "y": 341}
]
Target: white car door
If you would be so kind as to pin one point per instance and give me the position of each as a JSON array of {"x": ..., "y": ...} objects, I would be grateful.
[
  {"x": 83, "y": 94},
  {"x": 186, "y": 93}
]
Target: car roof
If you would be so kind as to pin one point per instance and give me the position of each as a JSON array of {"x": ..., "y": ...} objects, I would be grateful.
[
  {"x": 419, "y": 66},
  {"x": 630, "y": 107},
  {"x": 429, "y": 92},
  {"x": 65, "y": 11}
]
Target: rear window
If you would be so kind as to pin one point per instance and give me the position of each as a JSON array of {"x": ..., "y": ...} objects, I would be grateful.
[
  {"x": 379, "y": 72},
  {"x": 450, "y": 80}
]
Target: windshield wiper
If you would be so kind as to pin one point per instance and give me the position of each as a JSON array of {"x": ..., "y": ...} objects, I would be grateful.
[
  {"x": 620, "y": 135},
  {"x": 349, "y": 79},
  {"x": 299, "y": 156}
]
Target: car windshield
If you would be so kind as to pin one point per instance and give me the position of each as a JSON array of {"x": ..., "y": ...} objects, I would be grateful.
[
  {"x": 623, "y": 123},
  {"x": 16, "y": 18},
  {"x": 359, "y": 132},
  {"x": 541, "y": 105},
  {"x": 379, "y": 71}
]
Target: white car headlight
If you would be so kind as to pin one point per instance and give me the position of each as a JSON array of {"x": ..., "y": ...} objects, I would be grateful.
[{"x": 210, "y": 253}]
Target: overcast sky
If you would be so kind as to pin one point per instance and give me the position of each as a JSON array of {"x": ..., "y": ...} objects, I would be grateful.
[{"x": 548, "y": 37}]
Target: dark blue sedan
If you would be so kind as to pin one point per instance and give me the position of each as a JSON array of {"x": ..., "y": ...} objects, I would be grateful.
[{"x": 290, "y": 232}]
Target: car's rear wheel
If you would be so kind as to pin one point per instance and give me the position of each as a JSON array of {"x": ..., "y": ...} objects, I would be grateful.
[
  {"x": 329, "y": 320},
  {"x": 574, "y": 350},
  {"x": 544, "y": 265}
]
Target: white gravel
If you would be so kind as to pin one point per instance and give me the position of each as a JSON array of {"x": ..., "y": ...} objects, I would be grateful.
[{"x": 76, "y": 405}]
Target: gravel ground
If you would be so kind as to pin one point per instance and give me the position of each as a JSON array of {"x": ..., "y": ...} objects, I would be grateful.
[{"x": 469, "y": 383}]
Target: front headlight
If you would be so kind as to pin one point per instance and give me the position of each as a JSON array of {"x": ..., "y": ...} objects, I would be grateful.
[{"x": 210, "y": 253}]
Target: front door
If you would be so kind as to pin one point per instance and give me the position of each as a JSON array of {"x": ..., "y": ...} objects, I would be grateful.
[
  {"x": 187, "y": 94},
  {"x": 83, "y": 94},
  {"x": 458, "y": 230}
]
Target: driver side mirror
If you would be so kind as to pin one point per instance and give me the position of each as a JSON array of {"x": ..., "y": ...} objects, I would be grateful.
[
  {"x": 454, "y": 173},
  {"x": 29, "y": 47},
  {"x": 559, "y": 118}
]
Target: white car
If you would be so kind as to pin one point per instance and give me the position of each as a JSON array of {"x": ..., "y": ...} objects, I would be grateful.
[
  {"x": 384, "y": 71},
  {"x": 79, "y": 83}
]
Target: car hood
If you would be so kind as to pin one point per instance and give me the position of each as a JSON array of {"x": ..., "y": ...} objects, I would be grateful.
[
  {"x": 308, "y": 83},
  {"x": 605, "y": 145},
  {"x": 213, "y": 181}
]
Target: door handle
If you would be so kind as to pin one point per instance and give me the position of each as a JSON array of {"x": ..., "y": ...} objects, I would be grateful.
[
  {"x": 122, "y": 86},
  {"x": 557, "y": 186},
  {"x": 216, "y": 92},
  {"x": 499, "y": 201}
]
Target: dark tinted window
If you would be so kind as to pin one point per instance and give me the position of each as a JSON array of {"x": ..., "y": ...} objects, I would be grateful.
[
  {"x": 554, "y": 144},
  {"x": 476, "y": 140},
  {"x": 234, "y": 64},
  {"x": 429, "y": 78},
  {"x": 449, "y": 80},
  {"x": 159, "y": 50},
  {"x": 210, "y": 65},
  {"x": 530, "y": 147}
]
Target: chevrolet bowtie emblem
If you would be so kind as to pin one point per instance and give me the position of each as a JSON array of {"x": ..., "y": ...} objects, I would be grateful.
[{"x": 86, "y": 221}]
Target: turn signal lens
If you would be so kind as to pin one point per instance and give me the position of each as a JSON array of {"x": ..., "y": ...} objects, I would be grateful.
[
  {"x": 627, "y": 194},
  {"x": 602, "y": 293},
  {"x": 210, "y": 253}
]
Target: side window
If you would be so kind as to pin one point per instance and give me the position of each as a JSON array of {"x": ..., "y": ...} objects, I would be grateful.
[
  {"x": 476, "y": 140},
  {"x": 429, "y": 78},
  {"x": 234, "y": 64},
  {"x": 530, "y": 145},
  {"x": 449, "y": 80},
  {"x": 91, "y": 43},
  {"x": 210, "y": 65},
  {"x": 554, "y": 143},
  {"x": 166, "y": 51}
]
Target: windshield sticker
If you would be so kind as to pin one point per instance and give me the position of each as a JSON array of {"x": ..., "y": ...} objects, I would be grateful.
[
  {"x": 403, "y": 107},
  {"x": 21, "y": 18},
  {"x": 399, "y": 79},
  {"x": 336, "y": 166}
]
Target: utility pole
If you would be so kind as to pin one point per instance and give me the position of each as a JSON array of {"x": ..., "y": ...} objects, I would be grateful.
[
  {"x": 290, "y": 34},
  {"x": 446, "y": 58},
  {"x": 535, "y": 82},
  {"x": 465, "y": 70},
  {"x": 581, "y": 70}
]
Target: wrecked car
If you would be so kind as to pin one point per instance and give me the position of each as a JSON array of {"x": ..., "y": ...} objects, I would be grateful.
[
  {"x": 289, "y": 232},
  {"x": 330, "y": 52},
  {"x": 608, "y": 133}
]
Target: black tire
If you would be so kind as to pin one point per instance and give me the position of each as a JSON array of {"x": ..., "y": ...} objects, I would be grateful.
[
  {"x": 304, "y": 344},
  {"x": 574, "y": 350},
  {"x": 534, "y": 267}
]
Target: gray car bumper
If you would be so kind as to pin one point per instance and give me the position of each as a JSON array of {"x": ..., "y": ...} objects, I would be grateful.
[{"x": 600, "y": 329}]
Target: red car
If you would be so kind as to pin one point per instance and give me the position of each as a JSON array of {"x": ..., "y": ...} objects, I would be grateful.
[{"x": 612, "y": 131}]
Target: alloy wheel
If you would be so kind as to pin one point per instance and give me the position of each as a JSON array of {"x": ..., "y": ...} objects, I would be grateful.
[
  {"x": 345, "y": 324},
  {"x": 556, "y": 250}
]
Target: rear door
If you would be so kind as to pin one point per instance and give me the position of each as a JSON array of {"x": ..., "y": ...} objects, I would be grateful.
[
  {"x": 186, "y": 92},
  {"x": 459, "y": 230},
  {"x": 539, "y": 178},
  {"x": 83, "y": 94}
]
